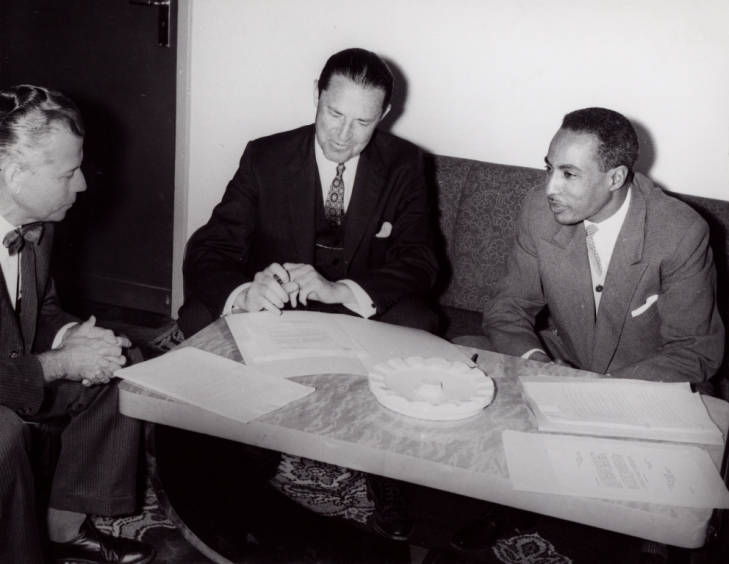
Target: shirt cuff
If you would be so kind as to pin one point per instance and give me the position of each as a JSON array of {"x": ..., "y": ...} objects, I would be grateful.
[
  {"x": 530, "y": 352},
  {"x": 58, "y": 339},
  {"x": 228, "y": 306},
  {"x": 362, "y": 304}
]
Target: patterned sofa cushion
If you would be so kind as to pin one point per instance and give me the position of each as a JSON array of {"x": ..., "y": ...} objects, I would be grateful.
[{"x": 479, "y": 203}]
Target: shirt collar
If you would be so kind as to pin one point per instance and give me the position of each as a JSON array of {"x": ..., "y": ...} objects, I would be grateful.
[
  {"x": 5, "y": 227},
  {"x": 612, "y": 224}
]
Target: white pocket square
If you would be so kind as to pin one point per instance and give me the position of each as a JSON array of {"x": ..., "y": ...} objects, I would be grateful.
[
  {"x": 384, "y": 231},
  {"x": 648, "y": 303}
]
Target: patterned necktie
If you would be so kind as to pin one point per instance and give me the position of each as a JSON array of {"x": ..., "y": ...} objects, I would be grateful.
[
  {"x": 595, "y": 265},
  {"x": 334, "y": 204},
  {"x": 16, "y": 238}
]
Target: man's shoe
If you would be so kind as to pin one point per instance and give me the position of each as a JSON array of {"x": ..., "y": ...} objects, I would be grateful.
[
  {"x": 480, "y": 533},
  {"x": 391, "y": 519},
  {"x": 93, "y": 546}
]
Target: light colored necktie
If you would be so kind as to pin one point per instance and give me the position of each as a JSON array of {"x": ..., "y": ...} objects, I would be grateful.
[
  {"x": 595, "y": 264},
  {"x": 334, "y": 204}
]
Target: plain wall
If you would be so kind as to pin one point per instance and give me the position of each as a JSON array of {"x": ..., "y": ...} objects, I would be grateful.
[{"x": 484, "y": 79}]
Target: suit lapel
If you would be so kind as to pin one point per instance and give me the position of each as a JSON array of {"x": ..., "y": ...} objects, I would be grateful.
[
  {"x": 566, "y": 260},
  {"x": 29, "y": 293},
  {"x": 368, "y": 184},
  {"x": 624, "y": 272},
  {"x": 302, "y": 174},
  {"x": 9, "y": 328}
]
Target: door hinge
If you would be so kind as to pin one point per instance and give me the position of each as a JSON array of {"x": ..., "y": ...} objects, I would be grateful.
[{"x": 163, "y": 18}]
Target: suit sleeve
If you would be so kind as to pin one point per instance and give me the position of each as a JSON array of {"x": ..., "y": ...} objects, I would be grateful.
[
  {"x": 509, "y": 317},
  {"x": 410, "y": 264},
  {"x": 217, "y": 253},
  {"x": 691, "y": 329}
]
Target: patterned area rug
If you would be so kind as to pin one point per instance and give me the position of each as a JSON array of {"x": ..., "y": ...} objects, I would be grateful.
[
  {"x": 528, "y": 549},
  {"x": 136, "y": 526},
  {"x": 333, "y": 492}
]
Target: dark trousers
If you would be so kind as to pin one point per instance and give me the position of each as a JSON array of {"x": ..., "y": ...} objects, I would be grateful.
[
  {"x": 97, "y": 467},
  {"x": 19, "y": 531}
]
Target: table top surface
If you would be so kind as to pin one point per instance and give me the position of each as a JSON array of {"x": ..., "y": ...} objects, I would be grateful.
[{"x": 343, "y": 423}]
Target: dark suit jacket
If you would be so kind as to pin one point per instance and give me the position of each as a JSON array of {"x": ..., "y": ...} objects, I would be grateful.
[
  {"x": 662, "y": 250},
  {"x": 267, "y": 215},
  {"x": 21, "y": 377}
]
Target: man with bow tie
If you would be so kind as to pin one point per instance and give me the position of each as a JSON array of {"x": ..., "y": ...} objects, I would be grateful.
[{"x": 51, "y": 364}]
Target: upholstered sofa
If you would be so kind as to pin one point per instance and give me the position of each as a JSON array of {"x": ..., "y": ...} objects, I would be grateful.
[{"x": 478, "y": 205}]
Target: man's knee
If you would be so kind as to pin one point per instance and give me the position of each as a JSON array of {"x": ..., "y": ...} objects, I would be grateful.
[
  {"x": 14, "y": 439},
  {"x": 193, "y": 316}
]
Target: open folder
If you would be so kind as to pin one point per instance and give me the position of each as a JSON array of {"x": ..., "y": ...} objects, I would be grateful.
[{"x": 214, "y": 383}]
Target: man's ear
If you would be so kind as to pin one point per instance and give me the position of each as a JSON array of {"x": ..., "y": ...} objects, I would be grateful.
[
  {"x": 11, "y": 176},
  {"x": 316, "y": 93},
  {"x": 385, "y": 112},
  {"x": 618, "y": 176}
]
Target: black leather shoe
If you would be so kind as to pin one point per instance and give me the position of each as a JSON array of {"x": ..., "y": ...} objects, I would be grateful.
[
  {"x": 94, "y": 547},
  {"x": 480, "y": 533},
  {"x": 391, "y": 519}
]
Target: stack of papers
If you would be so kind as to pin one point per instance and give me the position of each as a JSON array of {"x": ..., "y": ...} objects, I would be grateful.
[
  {"x": 296, "y": 343},
  {"x": 633, "y": 470},
  {"x": 664, "y": 473},
  {"x": 214, "y": 383},
  {"x": 617, "y": 407}
]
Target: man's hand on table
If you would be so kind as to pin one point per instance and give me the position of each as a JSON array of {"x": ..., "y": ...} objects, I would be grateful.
[
  {"x": 277, "y": 285},
  {"x": 541, "y": 356},
  {"x": 270, "y": 290},
  {"x": 313, "y": 286}
]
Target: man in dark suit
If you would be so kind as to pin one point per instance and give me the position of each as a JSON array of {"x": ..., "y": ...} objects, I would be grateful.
[
  {"x": 625, "y": 271},
  {"x": 333, "y": 216},
  {"x": 50, "y": 364}
]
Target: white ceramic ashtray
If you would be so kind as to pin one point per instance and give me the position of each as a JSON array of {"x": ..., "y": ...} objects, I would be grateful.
[{"x": 431, "y": 388}]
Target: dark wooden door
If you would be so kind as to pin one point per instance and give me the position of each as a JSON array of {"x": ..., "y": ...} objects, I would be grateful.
[{"x": 115, "y": 246}]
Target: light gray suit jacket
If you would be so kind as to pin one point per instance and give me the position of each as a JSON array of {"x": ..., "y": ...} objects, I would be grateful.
[{"x": 662, "y": 250}]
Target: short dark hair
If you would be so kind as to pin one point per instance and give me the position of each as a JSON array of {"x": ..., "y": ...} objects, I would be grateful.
[
  {"x": 618, "y": 140},
  {"x": 362, "y": 67},
  {"x": 27, "y": 113}
]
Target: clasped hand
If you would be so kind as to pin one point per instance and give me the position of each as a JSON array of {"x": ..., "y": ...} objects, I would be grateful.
[
  {"x": 292, "y": 283},
  {"x": 88, "y": 354}
]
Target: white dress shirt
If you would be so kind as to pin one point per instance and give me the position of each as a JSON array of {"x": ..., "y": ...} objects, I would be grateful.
[
  {"x": 605, "y": 238},
  {"x": 9, "y": 264}
]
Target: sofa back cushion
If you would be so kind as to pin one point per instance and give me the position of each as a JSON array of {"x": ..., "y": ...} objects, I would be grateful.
[{"x": 479, "y": 205}]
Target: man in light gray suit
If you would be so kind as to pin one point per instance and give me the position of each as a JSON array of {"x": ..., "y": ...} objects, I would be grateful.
[{"x": 625, "y": 271}]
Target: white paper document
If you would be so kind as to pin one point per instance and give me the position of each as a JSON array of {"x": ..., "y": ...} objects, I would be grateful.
[
  {"x": 296, "y": 343},
  {"x": 671, "y": 474},
  {"x": 214, "y": 383},
  {"x": 620, "y": 407}
]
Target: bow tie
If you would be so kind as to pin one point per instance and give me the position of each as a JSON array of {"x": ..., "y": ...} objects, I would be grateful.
[{"x": 16, "y": 238}]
